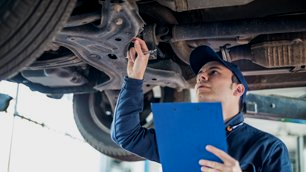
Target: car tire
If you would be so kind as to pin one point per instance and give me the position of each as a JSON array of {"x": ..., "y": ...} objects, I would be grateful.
[
  {"x": 93, "y": 117},
  {"x": 27, "y": 26}
]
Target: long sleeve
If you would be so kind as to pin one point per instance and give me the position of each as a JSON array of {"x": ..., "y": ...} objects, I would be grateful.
[
  {"x": 126, "y": 130},
  {"x": 278, "y": 159}
]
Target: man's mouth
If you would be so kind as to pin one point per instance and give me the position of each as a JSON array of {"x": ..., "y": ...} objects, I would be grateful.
[{"x": 202, "y": 86}]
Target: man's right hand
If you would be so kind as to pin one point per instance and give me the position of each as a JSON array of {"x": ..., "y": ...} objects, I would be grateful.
[{"x": 137, "y": 59}]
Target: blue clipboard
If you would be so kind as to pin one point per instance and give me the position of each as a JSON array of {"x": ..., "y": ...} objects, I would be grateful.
[{"x": 182, "y": 132}]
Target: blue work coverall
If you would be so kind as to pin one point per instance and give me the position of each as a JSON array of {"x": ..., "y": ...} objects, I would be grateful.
[{"x": 254, "y": 149}]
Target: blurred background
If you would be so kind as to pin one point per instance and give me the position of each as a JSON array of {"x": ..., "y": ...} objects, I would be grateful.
[
  {"x": 47, "y": 138},
  {"x": 39, "y": 134}
]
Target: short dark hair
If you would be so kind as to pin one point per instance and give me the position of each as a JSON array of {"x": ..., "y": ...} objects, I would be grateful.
[{"x": 235, "y": 79}]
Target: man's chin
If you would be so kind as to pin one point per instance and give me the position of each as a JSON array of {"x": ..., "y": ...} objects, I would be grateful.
[{"x": 206, "y": 98}]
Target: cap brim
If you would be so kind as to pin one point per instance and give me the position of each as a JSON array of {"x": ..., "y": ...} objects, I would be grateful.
[{"x": 202, "y": 55}]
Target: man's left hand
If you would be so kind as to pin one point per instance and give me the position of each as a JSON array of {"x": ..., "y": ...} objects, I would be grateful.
[{"x": 229, "y": 163}]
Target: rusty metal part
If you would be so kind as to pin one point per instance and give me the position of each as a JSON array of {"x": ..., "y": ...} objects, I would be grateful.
[
  {"x": 232, "y": 29},
  {"x": 185, "y": 5},
  {"x": 182, "y": 50},
  {"x": 161, "y": 14},
  {"x": 104, "y": 46},
  {"x": 280, "y": 53},
  {"x": 149, "y": 36},
  {"x": 242, "y": 52},
  {"x": 217, "y": 31},
  {"x": 272, "y": 51},
  {"x": 260, "y": 82},
  {"x": 165, "y": 16},
  {"x": 277, "y": 51}
]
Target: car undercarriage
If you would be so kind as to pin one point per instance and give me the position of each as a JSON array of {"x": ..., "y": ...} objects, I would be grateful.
[{"x": 79, "y": 47}]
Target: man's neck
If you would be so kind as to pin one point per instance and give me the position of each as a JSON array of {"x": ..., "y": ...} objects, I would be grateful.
[{"x": 229, "y": 111}]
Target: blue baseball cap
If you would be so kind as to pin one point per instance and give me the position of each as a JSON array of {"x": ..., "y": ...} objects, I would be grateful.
[{"x": 204, "y": 54}]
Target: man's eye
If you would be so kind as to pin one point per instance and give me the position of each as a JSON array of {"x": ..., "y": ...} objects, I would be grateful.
[{"x": 213, "y": 72}]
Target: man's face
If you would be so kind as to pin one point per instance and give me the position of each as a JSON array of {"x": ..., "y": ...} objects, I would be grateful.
[{"x": 214, "y": 83}]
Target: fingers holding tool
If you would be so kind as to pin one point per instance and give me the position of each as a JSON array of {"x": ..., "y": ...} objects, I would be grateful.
[{"x": 137, "y": 59}]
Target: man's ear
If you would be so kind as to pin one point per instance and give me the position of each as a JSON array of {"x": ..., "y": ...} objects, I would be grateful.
[{"x": 239, "y": 90}]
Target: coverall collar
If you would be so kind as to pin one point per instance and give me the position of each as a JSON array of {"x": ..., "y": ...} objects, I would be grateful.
[{"x": 234, "y": 122}]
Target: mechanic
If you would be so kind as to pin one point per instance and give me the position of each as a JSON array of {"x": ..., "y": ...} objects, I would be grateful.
[{"x": 249, "y": 149}]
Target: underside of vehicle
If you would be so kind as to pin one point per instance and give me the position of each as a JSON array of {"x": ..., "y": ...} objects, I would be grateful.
[{"x": 60, "y": 47}]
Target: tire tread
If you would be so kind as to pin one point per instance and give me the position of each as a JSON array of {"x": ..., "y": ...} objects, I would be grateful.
[{"x": 34, "y": 32}]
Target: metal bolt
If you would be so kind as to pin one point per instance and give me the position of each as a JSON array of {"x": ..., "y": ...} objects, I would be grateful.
[
  {"x": 118, "y": 21},
  {"x": 75, "y": 79}
]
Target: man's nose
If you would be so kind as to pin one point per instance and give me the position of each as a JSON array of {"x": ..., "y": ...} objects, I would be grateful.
[{"x": 203, "y": 77}]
